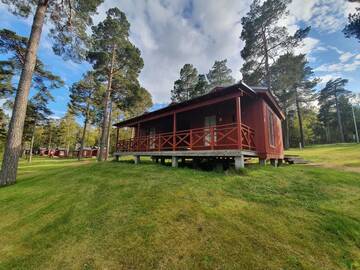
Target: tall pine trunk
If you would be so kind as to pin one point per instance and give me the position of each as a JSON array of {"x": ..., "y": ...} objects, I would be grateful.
[
  {"x": 32, "y": 145},
  {"x": 104, "y": 131},
  {"x": 338, "y": 114},
  {"x": 109, "y": 134},
  {"x": 298, "y": 110},
  {"x": 285, "y": 131},
  {"x": 16, "y": 126},
  {"x": 266, "y": 54},
  {"x": 83, "y": 136}
]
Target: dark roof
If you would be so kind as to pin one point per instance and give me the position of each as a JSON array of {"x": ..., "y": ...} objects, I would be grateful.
[{"x": 216, "y": 92}]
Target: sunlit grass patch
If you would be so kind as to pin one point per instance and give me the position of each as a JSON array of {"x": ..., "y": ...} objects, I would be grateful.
[{"x": 65, "y": 214}]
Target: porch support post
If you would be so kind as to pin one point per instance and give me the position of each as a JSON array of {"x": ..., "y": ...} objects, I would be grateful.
[
  {"x": 262, "y": 161},
  {"x": 174, "y": 131},
  {"x": 137, "y": 137},
  {"x": 274, "y": 162},
  {"x": 137, "y": 159},
  {"x": 174, "y": 162},
  {"x": 238, "y": 121},
  {"x": 117, "y": 138},
  {"x": 239, "y": 162}
]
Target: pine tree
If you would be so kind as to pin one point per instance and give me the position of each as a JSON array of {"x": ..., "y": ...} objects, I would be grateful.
[
  {"x": 265, "y": 39},
  {"x": 37, "y": 112},
  {"x": 202, "y": 86},
  {"x": 353, "y": 28},
  {"x": 185, "y": 87},
  {"x": 69, "y": 130},
  {"x": 294, "y": 84},
  {"x": 84, "y": 98},
  {"x": 113, "y": 55},
  {"x": 69, "y": 19},
  {"x": 329, "y": 98},
  {"x": 220, "y": 75}
]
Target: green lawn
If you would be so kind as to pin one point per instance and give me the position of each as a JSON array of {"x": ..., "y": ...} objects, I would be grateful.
[
  {"x": 63, "y": 214},
  {"x": 340, "y": 156}
]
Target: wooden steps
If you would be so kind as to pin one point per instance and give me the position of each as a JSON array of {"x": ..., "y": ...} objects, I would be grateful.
[{"x": 295, "y": 159}]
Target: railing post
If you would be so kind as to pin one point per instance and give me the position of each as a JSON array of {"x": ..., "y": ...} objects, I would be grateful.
[
  {"x": 238, "y": 122},
  {"x": 174, "y": 131},
  {"x": 212, "y": 139},
  {"x": 191, "y": 139}
]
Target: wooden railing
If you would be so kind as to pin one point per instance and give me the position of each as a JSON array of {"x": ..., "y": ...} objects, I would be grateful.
[{"x": 207, "y": 138}]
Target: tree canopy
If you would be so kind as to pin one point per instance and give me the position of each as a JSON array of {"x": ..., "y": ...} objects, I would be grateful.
[
  {"x": 220, "y": 75},
  {"x": 265, "y": 39}
]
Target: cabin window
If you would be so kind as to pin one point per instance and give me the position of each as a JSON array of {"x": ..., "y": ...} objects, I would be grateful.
[{"x": 271, "y": 128}]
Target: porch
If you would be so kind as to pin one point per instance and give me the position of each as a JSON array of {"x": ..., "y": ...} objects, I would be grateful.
[{"x": 220, "y": 137}]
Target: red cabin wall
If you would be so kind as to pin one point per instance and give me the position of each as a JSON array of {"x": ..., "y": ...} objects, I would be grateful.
[{"x": 254, "y": 113}]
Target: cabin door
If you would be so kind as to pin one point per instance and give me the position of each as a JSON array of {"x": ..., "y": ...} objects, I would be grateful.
[
  {"x": 152, "y": 138},
  {"x": 210, "y": 121}
]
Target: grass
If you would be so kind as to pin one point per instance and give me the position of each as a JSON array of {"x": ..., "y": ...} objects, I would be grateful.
[
  {"x": 340, "y": 156},
  {"x": 64, "y": 214}
]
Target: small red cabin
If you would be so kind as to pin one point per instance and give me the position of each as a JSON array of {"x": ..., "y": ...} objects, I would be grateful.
[
  {"x": 87, "y": 152},
  {"x": 236, "y": 122}
]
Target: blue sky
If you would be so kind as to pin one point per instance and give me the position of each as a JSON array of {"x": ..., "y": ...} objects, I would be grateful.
[{"x": 171, "y": 33}]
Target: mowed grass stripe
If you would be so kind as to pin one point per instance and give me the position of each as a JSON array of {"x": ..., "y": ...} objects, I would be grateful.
[{"x": 63, "y": 214}]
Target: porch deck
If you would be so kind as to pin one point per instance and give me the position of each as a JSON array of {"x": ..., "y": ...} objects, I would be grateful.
[{"x": 238, "y": 137}]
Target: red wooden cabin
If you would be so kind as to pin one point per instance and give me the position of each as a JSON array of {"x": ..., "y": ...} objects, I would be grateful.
[
  {"x": 87, "y": 152},
  {"x": 61, "y": 152},
  {"x": 236, "y": 122}
]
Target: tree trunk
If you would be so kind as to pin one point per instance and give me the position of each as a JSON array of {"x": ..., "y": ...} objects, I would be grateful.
[
  {"x": 50, "y": 138},
  {"x": 83, "y": 137},
  {"x": 338, "y": 114},
  {"x": 285, "y": 130},
  {"x": 298, "y": 109},
  {"x": 327, "y": 130},
  {"x": 104, "y": 131},
  {"x": 108, "y": 133},
  {"x": 31, "y": 145},
  {"x": 267, "y": 65},
  {"x": 16, "y": 126}
]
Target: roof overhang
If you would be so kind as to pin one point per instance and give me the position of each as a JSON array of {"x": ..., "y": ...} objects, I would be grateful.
[{"x": 218, "y": 95}]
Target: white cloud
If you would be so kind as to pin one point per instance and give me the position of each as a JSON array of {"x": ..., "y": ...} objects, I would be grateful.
[
  {"x": 336, "y": 49},
  {"x": 309, "y": 45},
  {"x": 345, "y": 57},
  {"x": 170, "y": 34},
  {"x": 339, "y": 67},
  {"x": 325, "y": 78},
  {"x": 325, "y": 15}
]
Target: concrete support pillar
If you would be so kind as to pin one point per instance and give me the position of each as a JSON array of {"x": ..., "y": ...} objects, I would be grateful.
[
  {"x": 162, "y": 160},
  {"x": 239, "y": 162},
  {"x": 174, "y": 162},
  {"x": 262, "y": 161},
  {"x": 157, "y": 160},
  {"x": 274, "y": 162},
  {"x": 117, "y": 157},
  {"x": 196, "y": 163},
  {"x": 137, "y": 159}
]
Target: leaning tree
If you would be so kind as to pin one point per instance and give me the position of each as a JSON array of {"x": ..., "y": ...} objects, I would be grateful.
[{"x": 69, "y": 22}]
